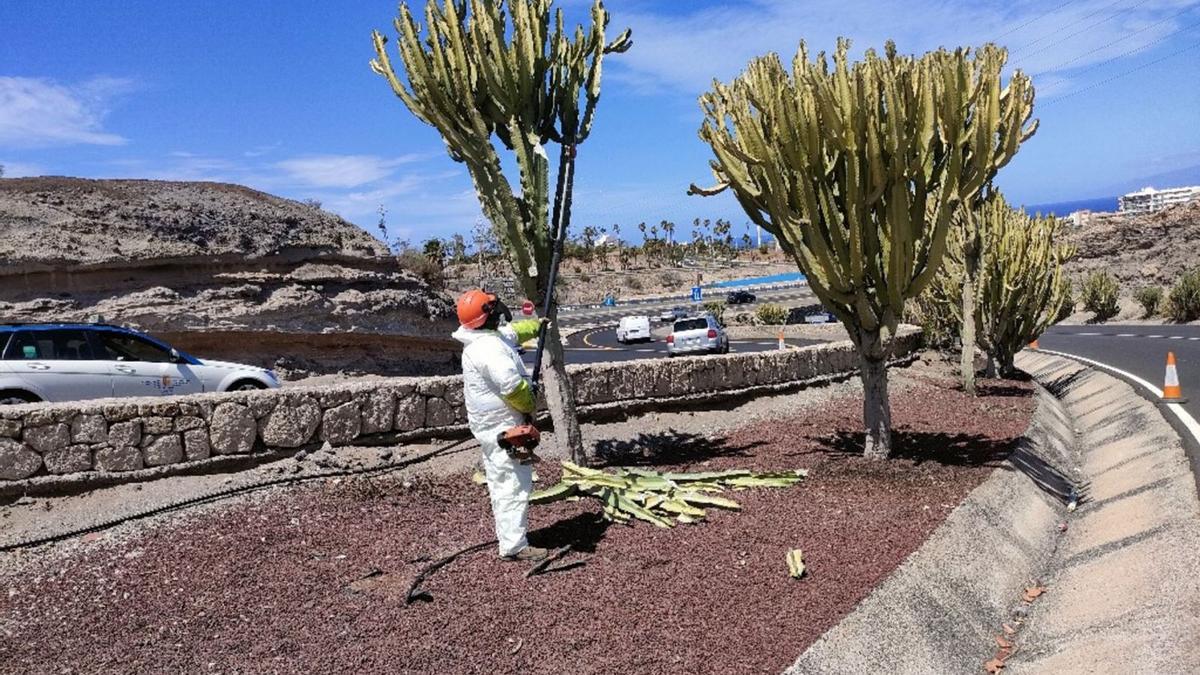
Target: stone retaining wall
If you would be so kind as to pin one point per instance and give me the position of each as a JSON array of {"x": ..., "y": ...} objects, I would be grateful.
[{"x": 123, "y": 435}]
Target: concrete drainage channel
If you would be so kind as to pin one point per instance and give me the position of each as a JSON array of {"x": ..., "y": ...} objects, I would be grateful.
[{"x": 1116, "y": 582}]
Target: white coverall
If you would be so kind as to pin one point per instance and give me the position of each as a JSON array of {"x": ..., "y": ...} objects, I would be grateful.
[{"x": 491, "y": 368}]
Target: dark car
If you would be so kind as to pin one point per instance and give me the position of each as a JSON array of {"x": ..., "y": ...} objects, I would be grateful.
[{"x": 739, "y": 297}]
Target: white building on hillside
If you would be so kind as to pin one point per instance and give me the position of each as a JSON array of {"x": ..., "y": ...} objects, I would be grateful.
[{"x": 1148, "y": 200}]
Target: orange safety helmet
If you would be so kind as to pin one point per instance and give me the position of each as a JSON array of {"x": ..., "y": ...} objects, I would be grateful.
[{"x": 475, "y": 306}]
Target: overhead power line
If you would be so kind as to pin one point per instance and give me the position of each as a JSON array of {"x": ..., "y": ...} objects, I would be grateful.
[
  {"x": 1081, "y": 31},
  {"x": 1119, "y": 40},
  {"x": 1065, "y": 26},
  {"x": 1131, "y": 52},
  {"x": 1131, "y": 71},
  {"x": 1031, "y": 21}
]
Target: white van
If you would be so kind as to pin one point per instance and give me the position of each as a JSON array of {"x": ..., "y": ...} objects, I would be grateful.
[{"x": 633, "y": 329}]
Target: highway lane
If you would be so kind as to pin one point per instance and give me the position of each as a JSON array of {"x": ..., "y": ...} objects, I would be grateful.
[
  {"x": 1140, "y": 350},
  {"x": 791, "y": 295},
  {"x": 599, "y": 345}
]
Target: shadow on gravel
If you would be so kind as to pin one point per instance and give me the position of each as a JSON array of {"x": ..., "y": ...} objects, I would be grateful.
[
  {"x": 669, "y": 447},
  {"x": 949, "y": 449},
  {"x": 582, "y": 532}
]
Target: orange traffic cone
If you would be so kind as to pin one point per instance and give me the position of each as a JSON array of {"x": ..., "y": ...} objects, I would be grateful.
[
  {"x": 1171, "y": 392},
  {"x": 782, "y": 344},
  {"x": 1033, "y": 345}
]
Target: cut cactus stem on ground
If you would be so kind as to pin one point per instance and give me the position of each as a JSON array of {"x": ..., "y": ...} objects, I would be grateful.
[
  {"x": 795, "y": 563},
  {"x": 661, "y": 499}
]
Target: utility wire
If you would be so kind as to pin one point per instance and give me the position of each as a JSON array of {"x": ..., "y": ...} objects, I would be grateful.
[
  {"x": 1068, "y": 25},
  {"x": 1118, "y": 76},
  {"x": 1027, "y": 23},
  {"x": 1081, "y": 31},
  {"x": 1107, "y": 45},
  {"x": 1129, "y": 53}
]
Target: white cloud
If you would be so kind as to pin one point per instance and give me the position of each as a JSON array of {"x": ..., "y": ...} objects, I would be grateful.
[
  {"x": 341, "y": 171},
  {"x": 21, "y": 169},
  {"x": 682, "y": 53},
  {"x": 39, "y": 112}
]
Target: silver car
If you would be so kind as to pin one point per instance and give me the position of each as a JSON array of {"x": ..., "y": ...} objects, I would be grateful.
[{"x": 697, "y": 335}]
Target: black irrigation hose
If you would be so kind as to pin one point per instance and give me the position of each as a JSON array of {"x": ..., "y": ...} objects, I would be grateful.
[{"x": 223, "y": 494}]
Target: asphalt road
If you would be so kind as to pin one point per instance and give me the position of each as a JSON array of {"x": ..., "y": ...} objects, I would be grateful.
[
  {"x": 601, "y": 314},
  {"x": 1140, "y": 350},
  {"x": 599, "y": 345}
]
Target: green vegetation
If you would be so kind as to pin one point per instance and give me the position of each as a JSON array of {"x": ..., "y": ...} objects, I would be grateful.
[
  {"x": 1183, "y": 304},
  {"x": 1099, "y": 295},
  {"x": 771, "y": 315},
  {"x": 1150, "y": 298},
  {"x": 717, "y": 309},
  {"x": 856, "y": 168},
  {"x": 491, "y": 75}
]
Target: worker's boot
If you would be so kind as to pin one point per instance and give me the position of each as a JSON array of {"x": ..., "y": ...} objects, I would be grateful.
[{"x": 528, "y": 554}]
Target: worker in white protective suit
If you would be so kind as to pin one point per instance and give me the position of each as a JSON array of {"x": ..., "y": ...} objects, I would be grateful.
[{"x": 499, "y": 396}]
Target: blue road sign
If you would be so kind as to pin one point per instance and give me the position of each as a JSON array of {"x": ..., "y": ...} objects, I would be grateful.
[{"x": 697, "y": 294}]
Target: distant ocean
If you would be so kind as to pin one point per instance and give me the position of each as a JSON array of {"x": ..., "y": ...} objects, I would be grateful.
[{"x": 1067, "y": 208}]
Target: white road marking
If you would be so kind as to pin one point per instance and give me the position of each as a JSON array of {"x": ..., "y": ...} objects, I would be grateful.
[
  {"x": 1126, "y": 334},
  {"x": 1175, "y": 337},
  {"x": 1090, "y": 334},
  {"x": 1184, "y": 416},
  {"x": 1156, "y": 337}
]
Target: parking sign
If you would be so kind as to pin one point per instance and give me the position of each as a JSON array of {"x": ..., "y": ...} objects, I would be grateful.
[{"x": 697, "y": 294}]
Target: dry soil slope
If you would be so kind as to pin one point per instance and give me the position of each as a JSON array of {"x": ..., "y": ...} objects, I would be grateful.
[
  {"x": 1139, "y": 250},
  {"x": 178, "y": 256}
]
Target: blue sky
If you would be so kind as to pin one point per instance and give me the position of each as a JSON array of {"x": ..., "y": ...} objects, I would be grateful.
[{"x": 279, "y": 96}]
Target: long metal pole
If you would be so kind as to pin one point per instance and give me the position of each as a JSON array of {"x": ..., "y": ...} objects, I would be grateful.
[{"x": 560, "y": 220}]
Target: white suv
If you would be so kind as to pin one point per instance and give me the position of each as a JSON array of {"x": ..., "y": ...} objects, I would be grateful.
[
  {"x": 71, "y": 362},
  {"x": 698, "y": 335}
]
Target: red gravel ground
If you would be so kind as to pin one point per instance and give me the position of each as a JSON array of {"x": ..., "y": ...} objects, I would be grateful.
[{"x": 313, "y": 580}]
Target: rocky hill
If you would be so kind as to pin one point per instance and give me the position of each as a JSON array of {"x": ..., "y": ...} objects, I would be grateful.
[
  {"x": 1139, "y": 250},
  {"x": 176, "y": 257}
]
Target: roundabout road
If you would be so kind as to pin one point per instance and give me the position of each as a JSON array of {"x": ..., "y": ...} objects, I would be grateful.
[{"x": 599, "y": 345}]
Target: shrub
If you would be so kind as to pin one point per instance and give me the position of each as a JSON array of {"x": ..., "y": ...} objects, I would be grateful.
[
  {"x": 1100, "y": 292},
  {"x": 1067, "y": 308},
  {"x": 429, "y": 271},
  {"x": 1183, "y": 304},
  {"x": 635, "y": 283},
  {"x": 771, "y": 315},
  {"x": 717, "y": 309},
  {"x": 1150, "y": 298}
]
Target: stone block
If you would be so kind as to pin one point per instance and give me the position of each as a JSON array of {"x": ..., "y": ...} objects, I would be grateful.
[
  {"x": 162, "y": 450},
  {"x": 410, "y": 413},
  {"x": 332, "y": 398},
  {"x": 122, "y": 458},
  {"x": 89, "y": 428},
  {"x": 261, "y": 404},
  {"x": 10, "y": 428},
  {"x": 17, "y": 460},
  {"x": 438, "y": 413},
  {"x": 341, "y": 425},
  {"x": 378, "y": 411},
  {"x": 71, "y": 459},
  {"x": 125, "y": 434},
  {"x": 159, "y": 409},
  {"x": 158, "y": 426},
  {"x": 47, "y": 438},
  {"x": 120, "y": 412},
  {"x": 196, "y": 445},
  {"x": 232, "y": 429},
  {"x": 291, "y": 424},
  {"x": 188, "y": 423}
]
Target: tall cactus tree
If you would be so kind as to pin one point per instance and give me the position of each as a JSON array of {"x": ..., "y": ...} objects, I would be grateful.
[
  {"x": 492, "y": 74},
  {"x": 856, "y": 169},
  {"x": 1020, "y": 280}
]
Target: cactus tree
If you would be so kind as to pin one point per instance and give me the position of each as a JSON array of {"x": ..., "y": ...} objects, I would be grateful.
[
  {"x": 492, "y": 74},
  {"x": 856, "y": 169},
  {"x": 1020, "y": 278}
]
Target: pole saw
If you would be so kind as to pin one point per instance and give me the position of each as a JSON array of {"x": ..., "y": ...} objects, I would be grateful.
[{"x": 520, "y": 441}]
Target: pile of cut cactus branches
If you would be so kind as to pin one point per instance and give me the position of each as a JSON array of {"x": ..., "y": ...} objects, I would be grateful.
[{"x": 661, "y": 499}]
